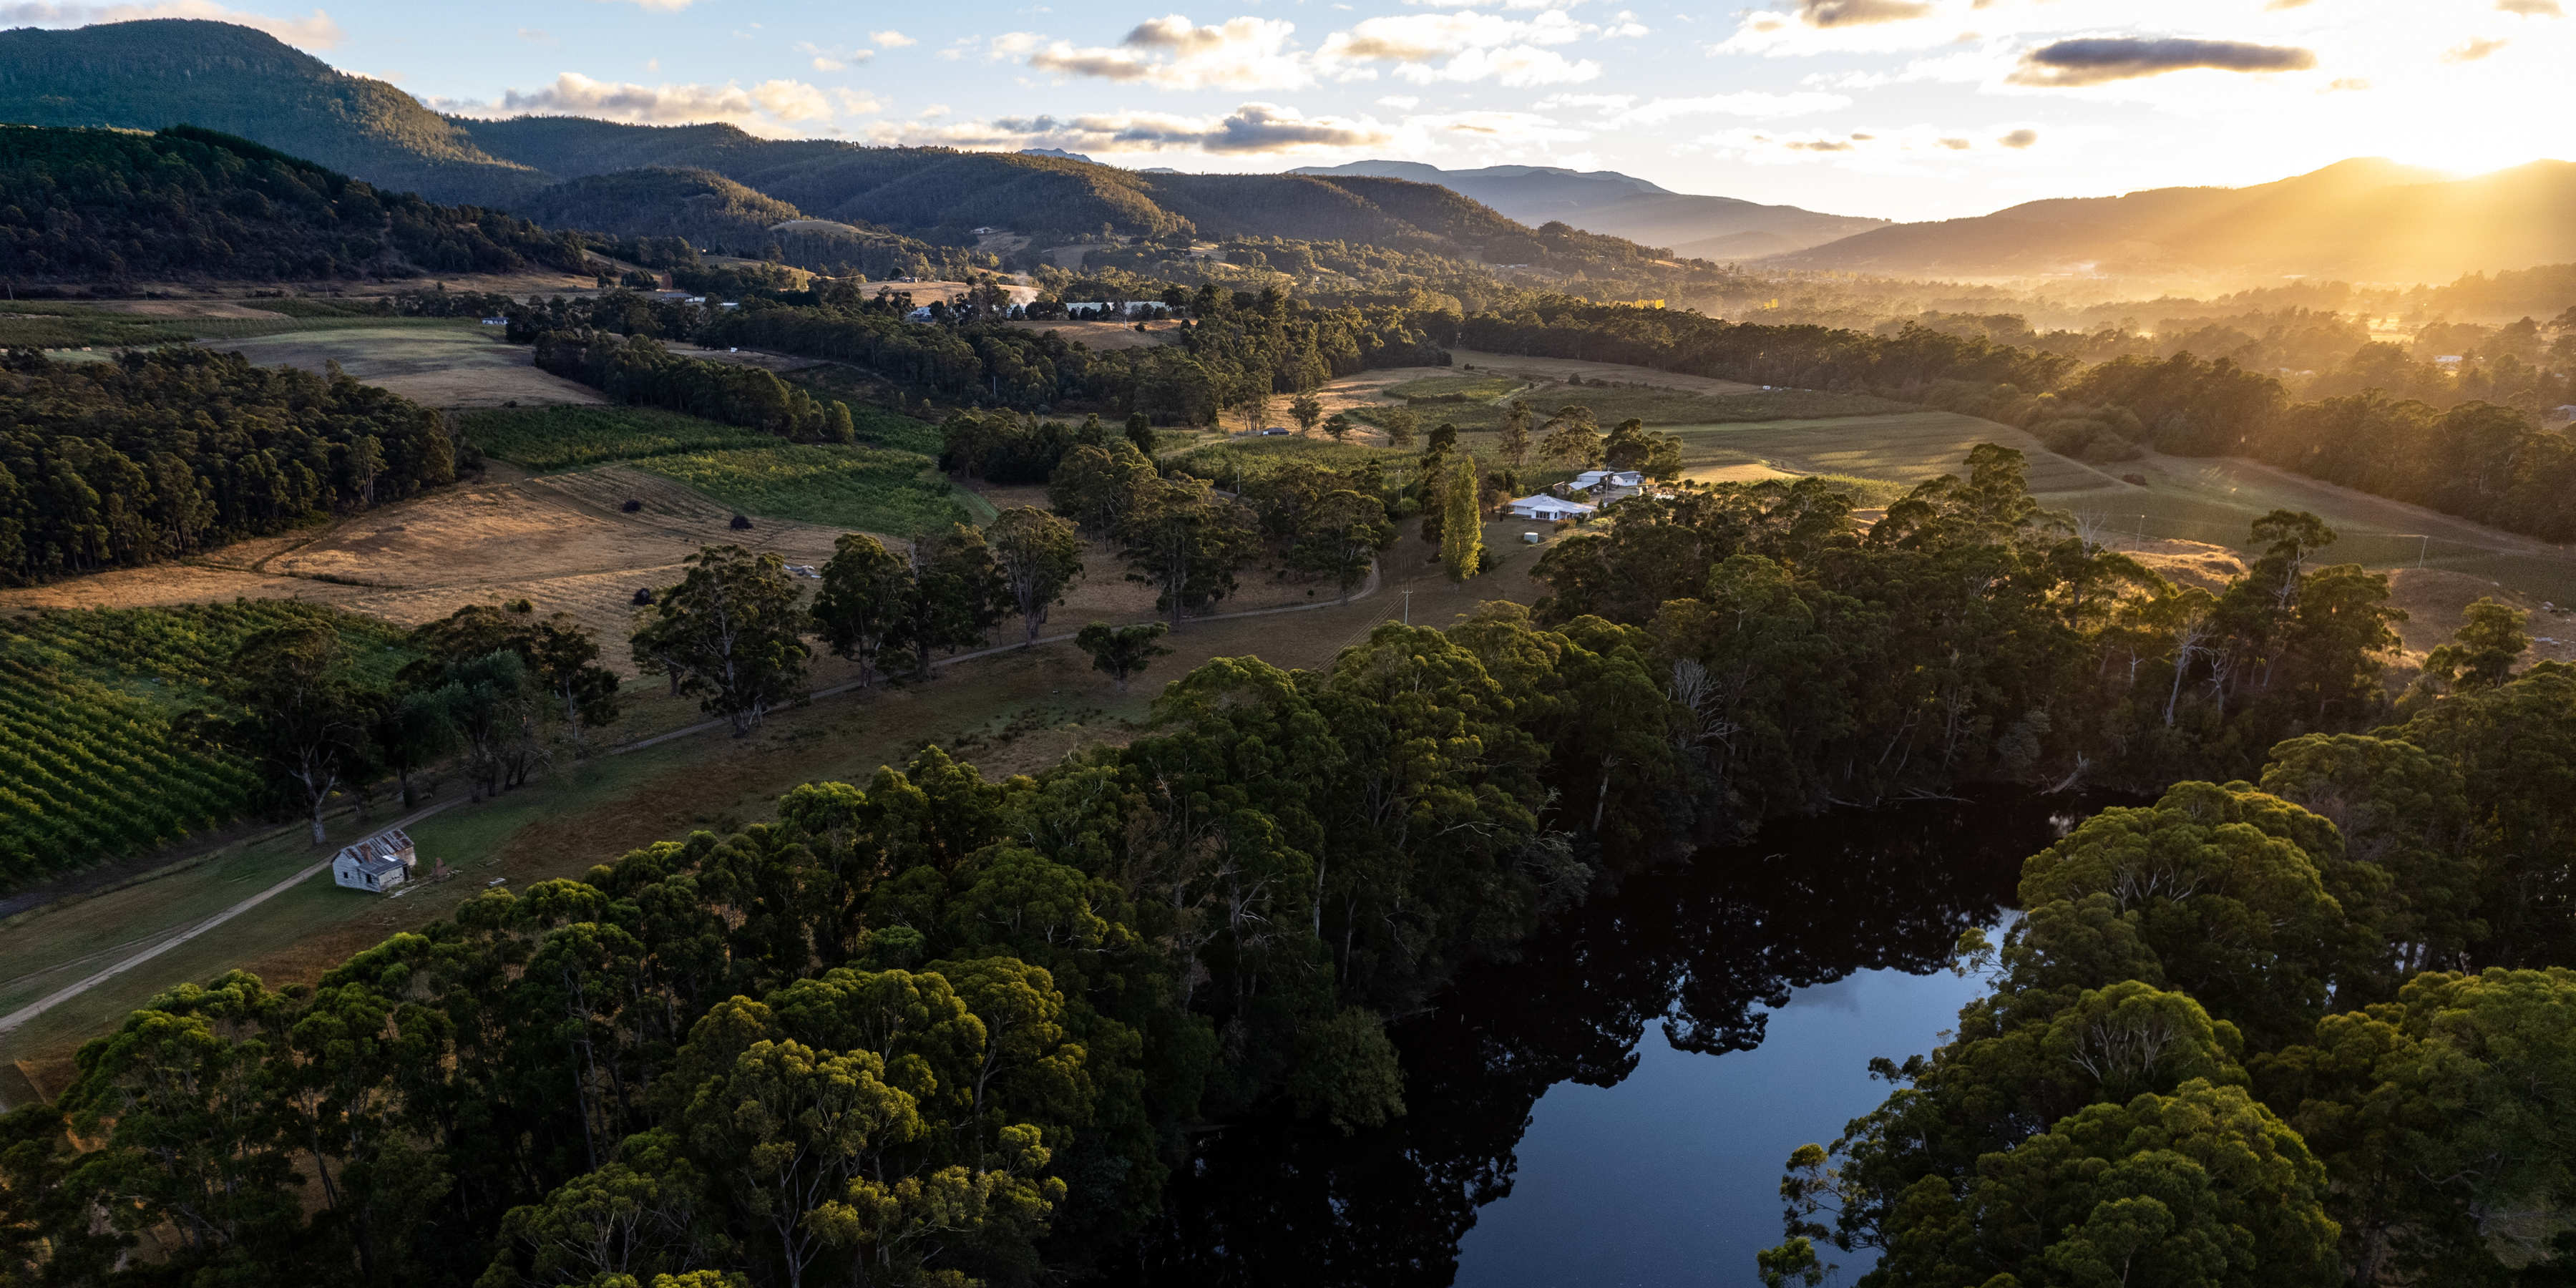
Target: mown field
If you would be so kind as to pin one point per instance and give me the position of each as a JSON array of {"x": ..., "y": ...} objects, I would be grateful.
[
  {"x": 1906, "y": 447},
  {"x": 89, "y": 768},
  {"x": 855, "y": 486},
  {"x": 1478, "y": 403},
  {"x": 49, "y": 325}
]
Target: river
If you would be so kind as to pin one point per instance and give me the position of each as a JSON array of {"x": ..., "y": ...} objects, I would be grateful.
[{"x": 1613, "y": 1106}]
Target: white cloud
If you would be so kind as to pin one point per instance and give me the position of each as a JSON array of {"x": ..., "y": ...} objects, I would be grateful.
[
  {"x": 770, "y": 107},
  {"x": 1254, "y": 129},
  {"x": 659, "y": 6},
  {"x": 1172, "y": 52},
  {"x": 891, "y": 39},
  {"x": 1428, "y": 48},
  {"x": 314, "y": 31},
  {"x": 1755, "y": 104},
  {"x": 834, "y": 60},
  {"x": 1400, "y": 102}
]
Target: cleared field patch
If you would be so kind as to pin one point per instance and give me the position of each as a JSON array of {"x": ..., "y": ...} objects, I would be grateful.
[
  {"x": 1558, "y": 369},
  {"x": 865, "y": 489},
  {"x": 563, "y": 438},
  {"x": 439, "y": 363},
  {"x": 1906, "y": 447},
  {"x": 1103, "y": 336},
  {"x": 1464, "y": 388}
]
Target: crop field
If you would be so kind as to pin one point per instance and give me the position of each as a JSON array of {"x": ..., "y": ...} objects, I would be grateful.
[
  {"x": 47, "y": 325},
  {"x": 1907, "y": 448},
  {"x": 89, "y": 769},
  {"x": 439, "y": 363},
  {"x": 563, "y": 438},
  {"x": 864, "y": 489}
]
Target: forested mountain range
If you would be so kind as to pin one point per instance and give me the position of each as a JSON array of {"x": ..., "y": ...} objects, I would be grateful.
[
  {"x": 2361, "y": 220},
  {"x": 1622, "y": 205},
  {"x": 146, "y": 75},
  {"x": 153, "y": 73},
  {"x": 186, "y": 204}
]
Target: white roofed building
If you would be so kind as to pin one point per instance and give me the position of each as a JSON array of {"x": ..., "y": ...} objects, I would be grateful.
[
  {"x": 377, "y": 863},
  {"x": 1550, "y": 509}
]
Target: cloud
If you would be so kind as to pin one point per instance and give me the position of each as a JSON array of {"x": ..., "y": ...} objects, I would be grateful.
[
  {"x": 1860, "y": 13},
  {"x": 660, "y": 6},
  {"x": 769, "y": 107},
  {"x": 2472, "y": 50},
  {"x": 891, "y": 39},
  {"x": 834, "y": 60},
  {"x": 2532, "y": 8},
  {"x": 536, "y": 37},
  {"x": 1250, "y": 130},
  {"x": 315, "y": 31},
  {"x": 2019, "y": 139},
  {"x": 1172, "y": 52},
  {"x": 1751, "y": 103},
  {"x": 1400, "y": 102},
  {"x": 2098, "y": 60},
  {"x": 1429, "y": 48}
]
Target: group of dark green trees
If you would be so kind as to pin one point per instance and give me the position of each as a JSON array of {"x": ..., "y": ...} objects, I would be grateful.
[
  {"x": 192, "y": 204},
  {"x": 2319, "y": 1030},
  {"x": 1235, "y": 347},
  {"x": 638, "y": 370},
  {"x": 164, "y": 453},
  {"x": 489, "y": 690}
]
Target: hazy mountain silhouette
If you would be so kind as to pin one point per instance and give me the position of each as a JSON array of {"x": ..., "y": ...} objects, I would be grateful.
[
  {"x": 2364, "y": 220},
  {"x": 1620, "y": 205}
]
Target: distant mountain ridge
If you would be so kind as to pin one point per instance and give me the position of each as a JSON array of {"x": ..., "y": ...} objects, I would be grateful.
[
  {"x": 2365, "y": 220},
  {"x": 1623, "y": 205},
  {"x": 152, "y": 73}
]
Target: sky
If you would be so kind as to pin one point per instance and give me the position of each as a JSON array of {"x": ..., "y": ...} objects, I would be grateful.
[{"x": 1907, "y": 109}]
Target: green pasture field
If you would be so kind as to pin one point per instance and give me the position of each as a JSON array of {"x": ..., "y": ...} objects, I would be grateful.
[
  {"x": 564, "y": 438},
  {"x": 49, "y": 325},
  {"x": 866, "y": 489},
  {"x": 1657, "y": 407},
  {"x": 1906, "y": 447}
]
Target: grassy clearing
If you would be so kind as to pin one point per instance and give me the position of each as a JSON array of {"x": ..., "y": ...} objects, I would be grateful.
[
  {"x": 1456, "y": 388},
  {"x": 1658, "y": 407},
  {"x": 862, "y": 488},
  {"x": 68, "y": 326},
  {"x": 1902, "y": 448},
  {"x": 563, "y": 438}
]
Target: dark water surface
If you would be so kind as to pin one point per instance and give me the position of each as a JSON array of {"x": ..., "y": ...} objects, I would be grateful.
[{"x": 1614, "y": 1106}]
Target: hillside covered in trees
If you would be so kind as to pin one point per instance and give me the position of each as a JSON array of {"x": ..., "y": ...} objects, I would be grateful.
[
  {"x": 186, "y": 204},
  {"x": 160, "y": 454},
  {"x": 153, "y": 73}
]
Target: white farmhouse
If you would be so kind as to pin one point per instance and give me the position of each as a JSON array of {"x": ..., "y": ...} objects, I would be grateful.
[
  {"x": 377, "y": 863},
  {"x": 1610, "y": 485},
  {"x": 1551, "y": 509}
]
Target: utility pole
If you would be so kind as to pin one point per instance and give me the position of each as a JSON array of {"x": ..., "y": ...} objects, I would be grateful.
[
  {"x": 2423, "y": 542},
  {"x": 1408, "y": 606}
]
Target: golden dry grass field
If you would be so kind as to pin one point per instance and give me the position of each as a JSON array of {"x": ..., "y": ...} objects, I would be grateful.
[{"x": 460, "y": 365}]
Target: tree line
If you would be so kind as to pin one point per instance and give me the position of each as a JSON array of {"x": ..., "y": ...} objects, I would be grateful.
[
  {"x": 2311, "y": 1030},
  {"x": 84, "y": 205},
  {"x": 637, "y": 369},
  {"x": 2478, "y": 460},
  {"x": 159, "y": 454},
  {"x": 1237, "y": 349}
]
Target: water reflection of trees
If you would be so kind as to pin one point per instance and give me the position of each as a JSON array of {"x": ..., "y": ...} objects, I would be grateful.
[{"x": 1706, "y": 949}]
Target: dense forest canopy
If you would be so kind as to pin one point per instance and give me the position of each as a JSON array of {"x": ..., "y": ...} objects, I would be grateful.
[
  {"x": 188, "y": 204},
  {"x": 159, "y": 454}
]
